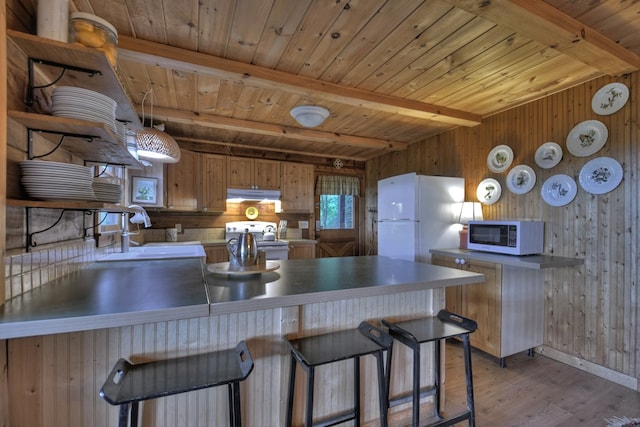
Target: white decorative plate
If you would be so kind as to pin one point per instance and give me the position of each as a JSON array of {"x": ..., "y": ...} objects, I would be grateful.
[
  {"x": 521, "y": 179},
  {"x": 610, "y": 98},
  {"x": 587, "y": 138},
  {"x": 489, "y": 191},
  {"x": 559, "y": 190},
  {"x": 548, "y": 155},
  {"x": 600, "y": 175},
  {"x": 500, "y": 158}
]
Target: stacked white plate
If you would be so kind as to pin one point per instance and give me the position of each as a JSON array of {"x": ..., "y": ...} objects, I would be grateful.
[
  {"x": 56, "y": 181},
  {"x": 107, "y": 191},
  {"x": 85, "y": 104}
]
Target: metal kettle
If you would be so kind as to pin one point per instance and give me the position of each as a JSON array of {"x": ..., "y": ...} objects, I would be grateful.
[{"x": 243, "y": 250}]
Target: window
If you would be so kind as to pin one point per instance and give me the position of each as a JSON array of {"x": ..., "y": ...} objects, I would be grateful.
[{"x": 336, "y": 211}]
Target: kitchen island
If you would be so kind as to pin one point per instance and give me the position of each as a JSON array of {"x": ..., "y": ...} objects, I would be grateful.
[{"x": 60, "y": 373}]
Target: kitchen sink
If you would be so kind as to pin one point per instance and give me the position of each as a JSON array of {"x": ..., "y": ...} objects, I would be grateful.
[{"x": 157, "y": 252}]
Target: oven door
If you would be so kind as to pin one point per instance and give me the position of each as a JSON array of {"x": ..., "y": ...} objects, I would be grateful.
[{"x": 274, "y": 252}]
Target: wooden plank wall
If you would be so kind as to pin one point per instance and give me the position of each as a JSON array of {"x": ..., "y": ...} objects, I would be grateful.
[{"x": 591, "y": 312}]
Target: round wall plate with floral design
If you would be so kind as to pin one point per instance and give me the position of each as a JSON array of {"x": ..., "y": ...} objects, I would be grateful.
[
  {"x": 610, "y": 99},
  {"x": 587, "y": 138},
  {"x": 600, "y": 175},
  {"x": 489, "y": 191},
  {"x": 521, "y": 179},
  {"x": 500, "y": 158}
]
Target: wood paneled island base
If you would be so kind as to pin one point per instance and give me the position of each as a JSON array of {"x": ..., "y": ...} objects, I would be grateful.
[{"x": 54, "y": 379}]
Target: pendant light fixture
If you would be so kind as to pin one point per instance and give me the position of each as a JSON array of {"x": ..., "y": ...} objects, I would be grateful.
[{"x": 153, "y": 144}]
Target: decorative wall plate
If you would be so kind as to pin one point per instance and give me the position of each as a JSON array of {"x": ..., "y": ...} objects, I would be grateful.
[
  {"x": 548, "y": 155},
  {"x": 251, "y": 212},
  {"x": 587, "y": 138},
  {"x": 610, "y": 98},
  {"x": 521, "y": 179},
  {"x": 500, "y": 158},
  {"x": 559, "y": 190},
  {"x": 600, "y": 175},
  {"x": 489, "y": 191}
]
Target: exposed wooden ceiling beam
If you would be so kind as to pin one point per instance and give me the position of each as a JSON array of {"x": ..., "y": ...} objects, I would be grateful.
[
  {"x": 160, "y": 55},
  {"x": 227, "y": 123},
  {"x": 544, "y": 23},
  {"x": 195, "y": 143}
]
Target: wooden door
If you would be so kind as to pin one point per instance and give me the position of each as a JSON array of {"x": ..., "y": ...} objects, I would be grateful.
[
  {"x": 239, "y": 172},
  {"x": 267, "y": 174},
  {"x": 338, "y": 242}
]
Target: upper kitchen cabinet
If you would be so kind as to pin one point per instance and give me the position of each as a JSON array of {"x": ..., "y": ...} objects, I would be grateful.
[
  {"x": 297, "y": 187},
  {"x": 214, "y": 183},
  {"x": 181, "y": 182},
  {"x": 253, "y": 174},
  {"x": 198, "y": 182}
]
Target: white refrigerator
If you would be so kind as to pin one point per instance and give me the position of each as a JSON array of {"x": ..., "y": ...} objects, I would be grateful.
[{"x": 417, "y": 213}]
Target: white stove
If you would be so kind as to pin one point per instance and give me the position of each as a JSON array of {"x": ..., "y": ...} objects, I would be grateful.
[{"x": 274, "y": 249}]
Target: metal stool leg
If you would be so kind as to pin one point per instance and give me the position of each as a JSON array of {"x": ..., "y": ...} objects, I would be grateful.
[
  {"x": 468, "y": 374},
  {"x": 437, "y": 377},
  {"x": 311, "y": 373},
  {"x": 292, "y": 382},
  {"x": 383, "y": 397},
  {"x": 123, "y": 417},
  {"x": 356, "y": 389},
  {"x": 416, "y": 385},
  {"x": 235, "y": 417}
]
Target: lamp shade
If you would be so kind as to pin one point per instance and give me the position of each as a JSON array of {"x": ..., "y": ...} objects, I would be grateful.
[
  {"x": 157, "y": 146},
  {"x": 470, "y": 211},
  {"x": 309, "y": 115}
]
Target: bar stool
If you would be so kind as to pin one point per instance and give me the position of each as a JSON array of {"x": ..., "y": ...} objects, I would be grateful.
[
  {"x": 414, "y": 332},
  {"x": 317, "y": 350},
  {"x": 128, "y": 384}
]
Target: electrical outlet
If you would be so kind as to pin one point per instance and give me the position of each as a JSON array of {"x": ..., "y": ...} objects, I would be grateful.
[
  {"x": 179, "y": 228},
  {"x": 303, "y": 225}
]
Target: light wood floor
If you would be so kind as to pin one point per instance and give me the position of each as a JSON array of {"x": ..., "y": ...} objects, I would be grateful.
[{"x": 536, "y": 392}]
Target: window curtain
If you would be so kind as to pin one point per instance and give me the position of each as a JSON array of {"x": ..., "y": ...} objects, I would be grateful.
[{"x": 337, "y": 184}]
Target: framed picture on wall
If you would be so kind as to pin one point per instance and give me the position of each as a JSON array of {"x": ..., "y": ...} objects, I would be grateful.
[{"x": 144, "y": 190}]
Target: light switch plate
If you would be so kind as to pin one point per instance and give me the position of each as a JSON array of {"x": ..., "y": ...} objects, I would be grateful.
[
  {"x": 303, "y": 225},
  {"x": 179, "y": 228}
]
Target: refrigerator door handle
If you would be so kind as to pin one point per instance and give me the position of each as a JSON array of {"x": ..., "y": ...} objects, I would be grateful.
[{"x": 397, "y": 219}]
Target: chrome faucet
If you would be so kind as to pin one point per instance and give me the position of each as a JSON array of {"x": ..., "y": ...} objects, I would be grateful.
[{"x": 140, "y": 217}]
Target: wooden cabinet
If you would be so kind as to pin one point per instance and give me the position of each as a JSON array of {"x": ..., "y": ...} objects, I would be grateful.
[
  {"x": 197, "y": 183},
  {"x": 255, "y": 174},
  {"x": 297, "y": 187},
  {"x": 214, "y": 183},
  {"x": 181, "y": 183},
  {"x": 508, "y": 306},
  {"x": 216, "y": 254},
  {"x": 302, "y": 250}
]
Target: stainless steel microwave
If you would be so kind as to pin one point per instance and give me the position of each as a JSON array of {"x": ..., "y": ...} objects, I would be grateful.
[{"x": 506, "y": 237}]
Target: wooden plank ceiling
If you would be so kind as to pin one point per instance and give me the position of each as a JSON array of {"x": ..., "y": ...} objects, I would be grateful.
[{"x": 226, "y": 73}]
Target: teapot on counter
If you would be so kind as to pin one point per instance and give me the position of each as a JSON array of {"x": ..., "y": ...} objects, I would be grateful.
[{"x": 243, "y": 250}]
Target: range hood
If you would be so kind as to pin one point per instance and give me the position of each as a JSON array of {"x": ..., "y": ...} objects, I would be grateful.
[{"x": 259, "y": 195}]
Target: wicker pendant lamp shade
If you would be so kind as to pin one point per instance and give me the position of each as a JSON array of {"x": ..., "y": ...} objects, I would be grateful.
[
  {"x": 158, "y": 146},
  {"x": 153, "y": 144}
]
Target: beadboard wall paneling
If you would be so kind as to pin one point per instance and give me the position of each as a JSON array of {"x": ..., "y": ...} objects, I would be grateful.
[
  {"x": 55, "y": 379},
  {"x": 591, "y": 312}
]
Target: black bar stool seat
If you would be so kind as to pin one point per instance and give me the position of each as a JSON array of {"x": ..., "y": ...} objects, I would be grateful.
[
  {"x": 128, "y": 383},
  {"x": 317, "y": 350},
  {"x": 414, "y": 332}
]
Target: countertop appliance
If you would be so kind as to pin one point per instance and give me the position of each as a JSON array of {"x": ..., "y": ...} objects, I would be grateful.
[
  {"x": 417, "y": 213},
  {"x": 274, "y": 249},
  {"x": 507, "y": 237}
]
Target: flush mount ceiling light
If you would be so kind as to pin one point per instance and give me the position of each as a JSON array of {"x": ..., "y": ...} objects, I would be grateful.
[
  {"x": 309, "y": 115},
  {"x": 154, "y": 144}
]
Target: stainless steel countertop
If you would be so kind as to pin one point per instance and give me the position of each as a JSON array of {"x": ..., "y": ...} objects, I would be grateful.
[
  {"x": 305, "y": 281},
  {"x": 535, "y": 262},
  {"x": 109, "y": 294},
  {"x": 123, "y": 293}
]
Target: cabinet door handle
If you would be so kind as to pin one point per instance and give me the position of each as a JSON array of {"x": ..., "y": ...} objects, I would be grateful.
[{"x": 462, "y": 261}]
